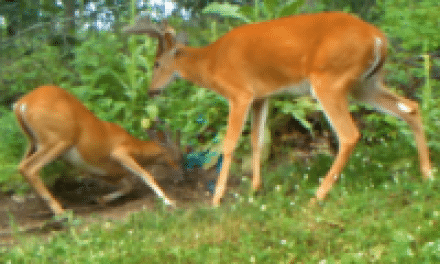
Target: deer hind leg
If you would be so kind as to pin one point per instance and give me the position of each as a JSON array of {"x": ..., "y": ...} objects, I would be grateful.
[
  {"x": 259, "y": 115},
  {"x": 32, "y": 147},
  {"x": 126, "y": 186},
  {"x": 30, "y": 168},
  {"x": 333, "y": 99},
  {"x": 30, "y": 151},
  {"x": 407, "y": 110}
]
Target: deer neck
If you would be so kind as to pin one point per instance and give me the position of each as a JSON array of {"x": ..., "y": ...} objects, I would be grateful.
[
  {"x": 192, "y": 66},
  {"x": 147, "y": 150},
  {"x": 199, "y": 66}
]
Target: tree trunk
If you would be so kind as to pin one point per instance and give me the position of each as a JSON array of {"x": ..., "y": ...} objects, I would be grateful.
[{"x": 69, "y": 7}]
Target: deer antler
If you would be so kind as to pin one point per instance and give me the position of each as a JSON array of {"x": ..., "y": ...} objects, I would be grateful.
[
  {"x": 163, "y": 32},
  {"x": 143, "y": 25}
]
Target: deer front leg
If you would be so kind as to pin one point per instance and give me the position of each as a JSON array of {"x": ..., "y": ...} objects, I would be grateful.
[
  {"x": 126, "y": 186},
  {"x": 259, "y": 116},
  {"x": 237, "y": 116},
  {"x": 129, "y": 163}
]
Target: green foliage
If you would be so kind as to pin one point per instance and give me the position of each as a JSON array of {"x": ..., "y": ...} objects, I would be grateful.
[
  {"x": 412, "y": 28},
  {"x": 193, "y": 111},
  {"x": 196, "y": 7},
  {"x": 28, "y": 72},
  {"x": 277, "y": 8},
  {"x": 269, "y": 9},
  {"x": 225, "y": 10},
  {"x": 11, "y": 149},
  {"x": 409, "y": 23},
  {"x": 299, "y": 108},
  {"x": 362, "y": 8},
  {"x": 412, "y": 32},
  {"x": 104, "y": 70}
]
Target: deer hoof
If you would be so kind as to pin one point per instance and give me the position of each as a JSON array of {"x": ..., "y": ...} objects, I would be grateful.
[{"x": 170, "y": 202}]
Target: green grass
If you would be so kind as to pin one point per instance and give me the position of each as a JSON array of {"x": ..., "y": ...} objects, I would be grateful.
[{"x": 376, "y": 213}]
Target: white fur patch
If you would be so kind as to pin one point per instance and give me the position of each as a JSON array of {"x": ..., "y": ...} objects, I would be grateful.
[
  {"x": 403, "y": 107},
  {"x": 377, "y": 45},
  {"x": 23, "y": 108},
  {"x": 74, "y": 157},
  {"x": 263, "y": 122},
  {"x": 301, "y": 88}
]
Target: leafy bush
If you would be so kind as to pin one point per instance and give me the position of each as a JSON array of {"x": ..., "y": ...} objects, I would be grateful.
[
  {"x": 11, "y": 149},
  {"x": 29, "y": 71},
  {"x": 413, "y": 34},
  {"x": 408, "y": 24}
]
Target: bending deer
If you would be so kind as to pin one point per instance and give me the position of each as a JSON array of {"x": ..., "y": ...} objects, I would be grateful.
[
  {"x": 328, "y": 55},
  {"x": 59, "y": 126}
]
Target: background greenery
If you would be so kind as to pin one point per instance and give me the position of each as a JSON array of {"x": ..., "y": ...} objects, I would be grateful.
[{"x": 82, "y": 50}]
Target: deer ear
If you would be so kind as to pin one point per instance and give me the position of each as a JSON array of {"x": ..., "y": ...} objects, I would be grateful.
[
  {"x": 182, "y": 38},
  {"x": 164, "y": 26},
  {"x": 178, "y": 51},
  {"x": 169, "y": 41}
]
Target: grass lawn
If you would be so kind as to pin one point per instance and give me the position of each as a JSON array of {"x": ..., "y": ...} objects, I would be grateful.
[{"x": 380, "y": 211}]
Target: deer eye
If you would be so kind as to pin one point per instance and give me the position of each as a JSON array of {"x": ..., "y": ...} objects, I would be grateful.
[{"x": 156, "y": 64}]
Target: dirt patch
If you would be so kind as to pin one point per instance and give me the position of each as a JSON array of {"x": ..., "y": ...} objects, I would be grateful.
[{"x": 29, "y": 214}]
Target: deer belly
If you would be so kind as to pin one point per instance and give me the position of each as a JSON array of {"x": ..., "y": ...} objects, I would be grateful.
[
  {"x": 297, "y": 89},
  {"x": 74, "y": 157},
  {"x": 301, "y": 88}
]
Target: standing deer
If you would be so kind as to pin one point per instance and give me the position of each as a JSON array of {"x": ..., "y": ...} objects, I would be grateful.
[
  {"x": 59, "y": 126},
  {"x": 328, "y": 55}
]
